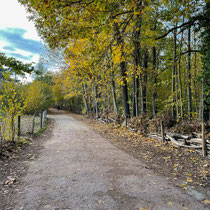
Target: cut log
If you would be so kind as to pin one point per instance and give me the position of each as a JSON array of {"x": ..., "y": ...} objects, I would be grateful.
[
  {"x": 111, "y": 119},
  {"x": 177, "y": 135},
  {"x": 153, "y": 136},
  {"x": 101, "y": 120},
  {"x": 198, "y": 141},
  {"x": 181, "y": 144}
]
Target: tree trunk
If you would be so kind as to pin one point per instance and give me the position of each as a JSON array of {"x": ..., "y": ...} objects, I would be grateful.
[
  {"x": 86, "y": 99},
  {"x": 141, "y": 95},
  {"x": 134, "y": 93},
  {"x": 144, "y": 83},
  {"x": 114, "y": 97},
  {"x": 201, "y": 110},
  {"x": 19, "y": 126},
  {"x": 137, "y": 49},
  {"x": 179, "y": 79},
  {"x": 96, "y": 100},
  {"x": 189, "y": 92},
  {"x": 113, "y": 86},
  {"x": 195, "y": 88},
  {"x": 109, "y": 105},
  {"x": 13, "y": 128},
  {"x": 120, "y": 43},
  {"x": 177, "y": 97},
  {"x": 125, "y": 89},
  {"x": 154, "y": 91},
  {"x": 90, "y": 103},
  {"x": 173, "y": 77}
]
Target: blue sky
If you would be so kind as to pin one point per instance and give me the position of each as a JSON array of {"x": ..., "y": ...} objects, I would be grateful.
[{"x": 18, "y": 36}]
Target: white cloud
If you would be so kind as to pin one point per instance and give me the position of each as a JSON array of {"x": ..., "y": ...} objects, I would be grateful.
[
  {"x": 2, "y": 44},
  {"x": 14, "y": 15},
  {"x": 35, "y": 58}
]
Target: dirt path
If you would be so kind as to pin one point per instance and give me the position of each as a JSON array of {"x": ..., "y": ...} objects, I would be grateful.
[{"x": 79, "y": 170}]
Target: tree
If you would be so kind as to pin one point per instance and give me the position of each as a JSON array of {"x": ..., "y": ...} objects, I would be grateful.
[
  {"x": 205, "y": 50},
  {"x": 12, "y": 103},
  {"x": 139, "y": 51},
  {"x": 15, "y": 66}
]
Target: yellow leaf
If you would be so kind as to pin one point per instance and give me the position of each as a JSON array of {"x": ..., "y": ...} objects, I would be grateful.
[
  {"x": 144, "y": 208},
  {"x": 167, "y": 157},
  {"x": 189, "y": 179},
  {"x": 206, "y": 201}
]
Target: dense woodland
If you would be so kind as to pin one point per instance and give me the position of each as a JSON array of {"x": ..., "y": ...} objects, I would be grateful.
[
  {"x": 130, "y": 57},
  {"x": 124, "y": 58}
]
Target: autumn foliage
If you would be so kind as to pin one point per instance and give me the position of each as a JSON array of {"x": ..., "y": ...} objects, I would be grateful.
[{"x": 129, "y": 57}]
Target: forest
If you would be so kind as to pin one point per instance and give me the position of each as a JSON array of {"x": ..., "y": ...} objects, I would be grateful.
[
  {"x": 117, "y": 60},
  {"x": 129, "y": 57}
]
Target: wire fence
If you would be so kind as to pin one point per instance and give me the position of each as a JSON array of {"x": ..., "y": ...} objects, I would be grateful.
[{"x": 25, "y": 126}]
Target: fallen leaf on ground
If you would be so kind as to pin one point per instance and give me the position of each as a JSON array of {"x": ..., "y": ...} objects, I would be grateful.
[
  {"x": 206, "y": 201},
  {"x": 189, "y": 179},
  {"x": 144, "y": 208}
]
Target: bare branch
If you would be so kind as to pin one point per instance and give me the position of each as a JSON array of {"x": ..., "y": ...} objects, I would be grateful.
[{"x": 174, "y": 28}]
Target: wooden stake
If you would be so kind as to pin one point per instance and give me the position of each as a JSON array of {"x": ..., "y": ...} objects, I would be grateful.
[
  {"x": 203, "y": 140},
  {"x": 1, "y": 139},
  {"x": 41, "y": 120},
  {"x": 33, "y": 124},
  {"x": 162, "y": 131},
  {"x": 19, "y": 123}
]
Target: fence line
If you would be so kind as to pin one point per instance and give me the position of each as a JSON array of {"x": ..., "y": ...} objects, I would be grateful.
[{"x": 24, "y": 127}]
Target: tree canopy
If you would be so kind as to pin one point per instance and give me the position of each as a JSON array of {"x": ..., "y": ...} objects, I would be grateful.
[
  {"x": 145, "y": 55},
  {"x": 13, "y": 65}
]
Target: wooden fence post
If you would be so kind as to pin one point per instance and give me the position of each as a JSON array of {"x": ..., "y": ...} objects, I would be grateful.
[
  {"x": 203, "y": 139},
  {"x": 162, "y": 131},
  {"x": 107, "y": 117},
  {"x": 33, "y": 124},
  {"x": 44, "y": 116},
  {"x": 41, "y": 119},
  {"x": 19, "y": 125},
  {"x": 1, "y": 139}
]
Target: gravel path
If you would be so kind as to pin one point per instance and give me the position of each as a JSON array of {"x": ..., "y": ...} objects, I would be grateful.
[{"x": 80, "y": 170}]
